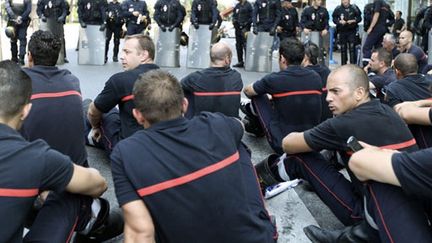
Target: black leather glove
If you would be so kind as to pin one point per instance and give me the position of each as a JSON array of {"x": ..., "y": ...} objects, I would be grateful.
[
  {"x": 163, "y": 28},
  {"x": 211, "y": 26},
  {"x": 83, "y": 25},
  {"x": 43, "y": 18},
  {"x": 171, "y": 28},
  {"x": 102, "y": 27},
  {"x": 255, "y": 31},
  {"x": 196, "y": 25},
  {"x": 60, "y": 20},
  {"x": 272, "y": 32}
]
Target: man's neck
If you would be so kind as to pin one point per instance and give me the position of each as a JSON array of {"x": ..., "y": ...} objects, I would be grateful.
[{"x": 13, "y": 123}]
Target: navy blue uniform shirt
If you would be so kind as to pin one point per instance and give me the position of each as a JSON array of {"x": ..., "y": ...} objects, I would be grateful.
[
  {"x": 118, "y": 91},
  {"x": 57, "y": 112},
  {"x": 26, "y": 168},
  {"x": 296, "y": 93},
  {"x": 215, "y": 89},
  {"x": 196, "y": 179}
]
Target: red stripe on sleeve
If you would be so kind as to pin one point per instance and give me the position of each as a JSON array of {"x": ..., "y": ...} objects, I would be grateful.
[{"x": 55, "y": 94}]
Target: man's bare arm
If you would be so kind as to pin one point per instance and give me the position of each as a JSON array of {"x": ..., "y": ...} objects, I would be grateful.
[{"x": 139, "y": 226}]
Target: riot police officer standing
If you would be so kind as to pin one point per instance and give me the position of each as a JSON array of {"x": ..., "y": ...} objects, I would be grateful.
[
  {"x": 92, "y": 12},
  {"x": 265, "y": 16},
  {"x": 204, "y": 12},
  {"x": 242, "y": 21},
  {"x": 289, "y": 21},
  {"x": 168, "y": 14},
  {"x": 114, "y": 22},
  {"x": 423, "y": 23},
  {"x": 346, "y": 17},
  {"x": 315, "y": 18},
  {"x": 18, "y": 21},
  {"x": 137, "y": 16}
]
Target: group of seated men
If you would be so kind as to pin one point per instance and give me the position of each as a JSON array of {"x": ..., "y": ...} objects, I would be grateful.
[{"x": 181, "y": 172}]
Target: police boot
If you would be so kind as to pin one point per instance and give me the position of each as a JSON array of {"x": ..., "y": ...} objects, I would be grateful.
[
  {"x": 240, "y": 63},
  {"x": 14, "y": 51},
  {"x": 108, "y": 225},
  {"x": 344, "y": 55},
  {"x": 253, "y": 126},
  {"x": 352, "y": 53},
  {"x": 266, "y": 176},
  {"x": 116, "y": 51}
]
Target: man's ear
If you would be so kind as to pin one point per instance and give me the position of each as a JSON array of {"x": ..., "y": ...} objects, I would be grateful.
[
  {"x": 138, "y": 116},
  {"x": 25, "y": 111},
  {"x": 30, "y": 59},
  {"x": 185, "y": 105}
]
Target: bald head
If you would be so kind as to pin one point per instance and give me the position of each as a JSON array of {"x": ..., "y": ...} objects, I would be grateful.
[
  {"x": 354, "y": 76},
  {"x": 406, "y": 63},
  {"x": 220, "y": 55}
]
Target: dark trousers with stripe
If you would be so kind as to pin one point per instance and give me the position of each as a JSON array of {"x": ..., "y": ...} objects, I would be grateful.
[
  {"x": 263, "y": 107},
  {"x": 394, "y": 213},
  {"x": 110, "y": 131},
  {"x": 60, "y": 215}
]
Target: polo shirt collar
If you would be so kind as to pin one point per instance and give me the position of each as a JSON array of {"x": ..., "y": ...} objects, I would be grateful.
[{"x": 180, "y": 121}]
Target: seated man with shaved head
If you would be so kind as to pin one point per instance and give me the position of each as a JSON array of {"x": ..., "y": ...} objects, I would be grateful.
[
  {"x": 214, "y": 89},
  {"x": 368, "y": 120},
  {"x": 410, "y": 86},
  {"x": 406, "y": 45}
]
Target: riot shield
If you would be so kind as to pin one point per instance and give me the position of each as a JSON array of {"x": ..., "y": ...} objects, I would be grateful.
[
  {"x": 91, "y": 46},
  {"x": 57, "y": 29},
  {"x": 259, "y": 52},
  {"x": 198, "y": 55},
  {"x": 168, "y": 48}
]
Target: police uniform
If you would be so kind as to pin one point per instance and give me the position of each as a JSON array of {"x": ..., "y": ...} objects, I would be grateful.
[
  {"x": 315, "y": 19},
  {"x": 114, "y": 22},
  {"x": 289, "y": 21},
  {"x": 18, "y": 12},
  {"x": 214, "y": 89},
  {"x": 53, "y": 90},
  {"x": 52, "y": 9},
  {"x": 344, "y": 197},
  {"x": 374, "y": 38},
  {"x": 118, "y": 91},
  {"x": 296, "y": 103},
  {"x": 26, "y": 169},
  {"x": 206, "y": 202},
  {"x": 398, "y": 25},
  {"x": 204, "y": 12},
  {"x": 242, "y": 20},
  {"x": 323, "y": 72},
  {"x": 266, "y": 15},
  {"x": 381, "y": 81},
  {"x": 411, "y": 88},
  {"x": 168, "y": 14},
  {"x": 422, "y": 25},
  {"x": 92, "y": 12},
  {"x": 134, "y": 24},
  {"x": 347, "y": 32},
  {"x": 368, "y": 11}
]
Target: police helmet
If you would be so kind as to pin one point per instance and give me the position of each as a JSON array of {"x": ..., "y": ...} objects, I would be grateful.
[{"x": 10, "y": 32}]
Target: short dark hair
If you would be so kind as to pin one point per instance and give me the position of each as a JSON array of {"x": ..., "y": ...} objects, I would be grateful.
[
  {"x": 384, "y": 56},
  {"x": 44, "y": 48},
  {"x": 158, "y": 95},
  {"x": 312, "y": 51},
  {"x": 292, "y": 50},
  {"x": 15, "y": 89},
  {"x": 145, "y": 43},
  {"x": 400, "y": 12},
  {"x": 406, "y": 63}
]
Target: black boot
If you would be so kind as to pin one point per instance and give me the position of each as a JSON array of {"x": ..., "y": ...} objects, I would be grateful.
[{"x": 318, "y": 235}]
